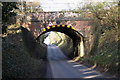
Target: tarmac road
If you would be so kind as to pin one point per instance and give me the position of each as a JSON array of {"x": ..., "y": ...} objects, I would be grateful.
[{"x": 61, "y": 67}]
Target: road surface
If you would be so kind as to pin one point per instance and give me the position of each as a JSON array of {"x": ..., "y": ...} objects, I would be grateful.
[{"x": 61, "y": 67}]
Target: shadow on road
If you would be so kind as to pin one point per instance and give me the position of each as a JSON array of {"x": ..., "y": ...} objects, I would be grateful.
[{"x": 61, "y": 67}]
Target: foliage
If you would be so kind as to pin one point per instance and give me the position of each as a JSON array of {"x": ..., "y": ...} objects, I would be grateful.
[
  {"x": 104, "y": 35},
  {"x": 66, "y": 45},
  {"x": 107, "y": 54},
  {"x": 16, "y": 61},
  {"x": 8, "y": 10},
  {"x": 32, "y": 7},
  {"x": 103, "y": 12}
]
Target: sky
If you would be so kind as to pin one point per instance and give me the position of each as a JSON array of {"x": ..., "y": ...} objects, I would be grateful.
[
  {"x": 47, "y": 40},
  {"x": 59, "y": 5}
]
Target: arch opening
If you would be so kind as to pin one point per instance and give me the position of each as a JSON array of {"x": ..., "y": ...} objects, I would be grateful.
[
  {"x": 77, "y": 38},
  {"x": 58, "y": 39}
]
